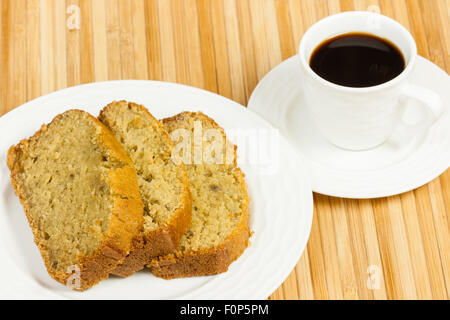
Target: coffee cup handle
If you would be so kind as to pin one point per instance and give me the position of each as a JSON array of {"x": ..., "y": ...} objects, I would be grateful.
[{"x": 429, "y": 100}]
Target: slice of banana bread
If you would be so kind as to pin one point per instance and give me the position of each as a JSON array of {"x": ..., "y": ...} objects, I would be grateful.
[
  {"x": 80, "y": 193},
  {"x": 219, "y": 231},
  {"x": 163, "y": 184}
]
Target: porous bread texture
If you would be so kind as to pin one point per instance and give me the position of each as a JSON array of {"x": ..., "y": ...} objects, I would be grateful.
[
  {"x": 219, "y": 231},
  {"x": 80, "y": 193},
  {"x": 163, "y": 184}
]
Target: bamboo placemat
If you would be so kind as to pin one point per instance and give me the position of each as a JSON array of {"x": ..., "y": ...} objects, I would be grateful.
[{"x": 227, "y": 46}]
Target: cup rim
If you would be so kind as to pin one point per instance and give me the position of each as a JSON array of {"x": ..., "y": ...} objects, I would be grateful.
[{"x": 390, "y": 83}]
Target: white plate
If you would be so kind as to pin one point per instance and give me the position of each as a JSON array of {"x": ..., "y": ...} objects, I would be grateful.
[
  {"x": 386, "y": 170},
  {"x": 281, "y": 199}
]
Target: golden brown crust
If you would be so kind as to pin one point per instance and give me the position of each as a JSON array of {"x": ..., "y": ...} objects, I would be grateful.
[
  {"x": 164, "y": 239},
  {"x": 211, "y": 260},
  {"x": 126, "y": 220},
  {"x": 161, "y": 241},
  {"x": 182, "y": 115},
  {"x": 208, "y": 261}
]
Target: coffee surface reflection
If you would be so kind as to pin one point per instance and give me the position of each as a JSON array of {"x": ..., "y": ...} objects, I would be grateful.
[{"x": 357, "y": 60}]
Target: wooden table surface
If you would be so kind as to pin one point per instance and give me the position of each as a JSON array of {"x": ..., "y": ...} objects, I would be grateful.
[{"x": 227, "y": 46}]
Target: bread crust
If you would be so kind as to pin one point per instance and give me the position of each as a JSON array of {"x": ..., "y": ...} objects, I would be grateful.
[
  {"x": 213, "y": 260},
  {"x": 165, "y": 239},
  {"x": 161, "y": 241},
  {"x": 126, "y": 218},
  {"x": 183, "y": 114}
]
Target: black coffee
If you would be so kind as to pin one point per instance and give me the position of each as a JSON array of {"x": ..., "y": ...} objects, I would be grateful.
[{"x": 357, "y": 60}]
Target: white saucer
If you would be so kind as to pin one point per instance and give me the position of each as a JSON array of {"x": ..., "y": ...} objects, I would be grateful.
[{"x": 386, "y": 170}]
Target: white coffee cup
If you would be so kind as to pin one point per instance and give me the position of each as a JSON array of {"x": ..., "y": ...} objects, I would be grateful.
[{"x": 363, "y": 118}]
